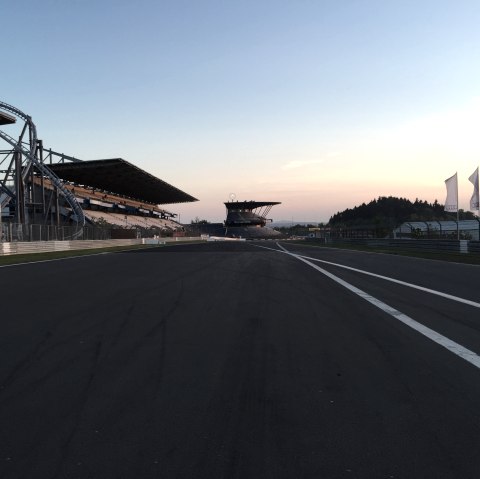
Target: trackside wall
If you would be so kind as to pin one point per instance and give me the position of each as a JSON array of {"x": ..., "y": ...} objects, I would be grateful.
[{"x": 24, "y": 247}]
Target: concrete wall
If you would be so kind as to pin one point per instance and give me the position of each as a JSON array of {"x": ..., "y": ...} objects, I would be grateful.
[{"x": 18, "y": 247}]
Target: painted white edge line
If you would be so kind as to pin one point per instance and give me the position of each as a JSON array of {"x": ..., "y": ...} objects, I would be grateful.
[
  {"x": 67, "y": 257},
  {"x": 387, "y": 278},
  {"x": 438, "y": 338},
  {"x": 50, "y": 260},
  {"x": 403, "y": 283}
]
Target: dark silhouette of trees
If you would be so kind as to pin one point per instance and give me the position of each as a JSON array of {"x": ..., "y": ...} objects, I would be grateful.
[
  {"x": 387, "y": 213},
  {"x": 198, "y": 221}
]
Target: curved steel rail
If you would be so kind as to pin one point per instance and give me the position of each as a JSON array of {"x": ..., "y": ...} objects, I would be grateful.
[{"x": 44, "y": 170}]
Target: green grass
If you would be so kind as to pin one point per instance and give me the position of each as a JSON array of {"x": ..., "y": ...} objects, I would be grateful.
[
  {"x": 471, "y": 258},
  {"x": 44, "y": 256},
  {"x": 467, "y": 258}
]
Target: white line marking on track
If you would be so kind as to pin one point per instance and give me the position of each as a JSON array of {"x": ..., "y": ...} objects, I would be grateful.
[
  {"x": 51, "y": 260},
  {"x": 71, "y": 257},
  {"x": 403, "y": 283},
  {"x": 438, "y": 338},
  {"x": 387, "y": 278}
]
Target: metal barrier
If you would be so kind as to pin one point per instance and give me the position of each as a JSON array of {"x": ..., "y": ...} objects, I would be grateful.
[
  {"x": 427, "y": 245},
  {"x": 25, "y": 247},
  {"x": 474, "y": 246},
  {"x": 38, "y": 232},
  {"x": 435, "y": 246}
]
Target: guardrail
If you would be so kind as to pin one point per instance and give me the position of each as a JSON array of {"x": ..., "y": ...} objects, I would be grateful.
[
  {"x": 474, "y": 246},
  {"x": 428, "y": 245},
  {"x": 25, "y": 247}
]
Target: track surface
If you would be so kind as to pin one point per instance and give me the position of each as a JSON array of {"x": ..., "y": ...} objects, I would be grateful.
[{"x": 235, "y": 361}]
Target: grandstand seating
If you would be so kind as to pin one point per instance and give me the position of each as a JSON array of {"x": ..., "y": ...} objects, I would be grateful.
[
  {"x": 109, "y": 199},
  {"x": 95, "y": 215},
  {"x": 131, "y": 221},
  {"x": 117, "y": 210}
]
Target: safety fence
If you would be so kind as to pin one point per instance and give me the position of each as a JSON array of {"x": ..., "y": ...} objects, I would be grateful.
[
  {"x": 38, "y": 232},
  {"x": 474, "y": 246},
  {"x": 25, "y": 247},
  {"x": 436, "y": 246}
]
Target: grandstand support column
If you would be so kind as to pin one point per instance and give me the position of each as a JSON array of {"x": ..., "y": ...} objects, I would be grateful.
[
  {"x": 42, "y": 179},
  {"x": 19, "y": 188},
  {"x": 19, "y": 179},
  {"x": 57, "y": 208},
  {"x": 32, "y": 197}
]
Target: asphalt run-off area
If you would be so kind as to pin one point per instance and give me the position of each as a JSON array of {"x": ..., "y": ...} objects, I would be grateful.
[{"x": 240, "y": 360}]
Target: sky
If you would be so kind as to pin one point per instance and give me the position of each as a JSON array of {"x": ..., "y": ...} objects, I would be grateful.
[{"x": 319, "y": 104}]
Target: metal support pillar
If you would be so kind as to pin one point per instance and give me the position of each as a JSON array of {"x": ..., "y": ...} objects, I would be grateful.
[{"x": 19, "y": 190}]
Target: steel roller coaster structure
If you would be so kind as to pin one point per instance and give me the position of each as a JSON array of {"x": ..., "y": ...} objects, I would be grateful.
[{"x": 21, "y": 165}]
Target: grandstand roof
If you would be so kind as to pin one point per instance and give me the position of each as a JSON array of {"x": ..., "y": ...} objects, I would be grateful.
[
  {"x": 249, "y": 205},
  {"x": 118, "y": 176},
  {"x": 6, "y": 119}
]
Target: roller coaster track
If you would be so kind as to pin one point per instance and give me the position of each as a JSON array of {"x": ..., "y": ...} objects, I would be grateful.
[{"x": 30, "y": 154}]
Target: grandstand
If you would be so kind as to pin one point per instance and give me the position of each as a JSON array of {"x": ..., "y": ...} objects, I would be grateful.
[
  {"x": 122, "y": 195},
  {"x": 245, "y": 219},
  {"x": 101, "y": 206},
  {"x": 46, "y": 188}
]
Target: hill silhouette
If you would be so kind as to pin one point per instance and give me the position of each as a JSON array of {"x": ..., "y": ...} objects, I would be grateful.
[{"x": 388, "y": 212}]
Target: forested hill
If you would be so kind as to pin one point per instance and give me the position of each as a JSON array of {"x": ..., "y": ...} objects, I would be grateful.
[{"x": 391, "y": 211}]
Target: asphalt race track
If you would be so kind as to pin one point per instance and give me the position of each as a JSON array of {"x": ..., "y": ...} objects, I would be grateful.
[{"x": 238, "y": 360}]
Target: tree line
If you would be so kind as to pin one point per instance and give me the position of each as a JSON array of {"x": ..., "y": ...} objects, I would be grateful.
[{"x": 390, "y": 212}]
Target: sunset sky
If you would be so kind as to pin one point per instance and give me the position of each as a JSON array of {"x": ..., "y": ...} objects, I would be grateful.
[{"x": 321, "y": 105}]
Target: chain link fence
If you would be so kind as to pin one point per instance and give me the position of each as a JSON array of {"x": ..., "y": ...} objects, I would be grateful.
[{"x": 35, "y": 232}]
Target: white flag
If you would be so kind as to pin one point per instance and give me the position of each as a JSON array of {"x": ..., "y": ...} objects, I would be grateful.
[
  {"x": 474, "y": 199},
  {"x": 451, "y": 203}
]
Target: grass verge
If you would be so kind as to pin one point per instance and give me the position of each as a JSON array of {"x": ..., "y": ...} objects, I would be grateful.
[
  {"x": 467, "y": 258},
  {"x": 45, "y": 256}
]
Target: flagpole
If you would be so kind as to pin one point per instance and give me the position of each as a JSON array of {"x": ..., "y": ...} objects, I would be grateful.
[
  {"x": 475, "y": 199},
  {"x": 458, "y": 231},
  {"x": 451, "y": 202},
  {"x": 478, "y": 204},
  {"x": 458, "y": 209}
]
